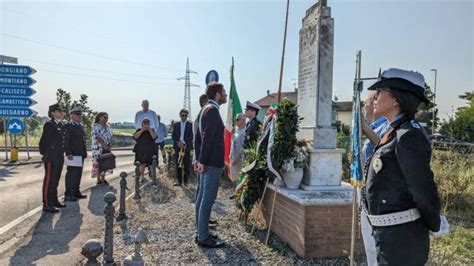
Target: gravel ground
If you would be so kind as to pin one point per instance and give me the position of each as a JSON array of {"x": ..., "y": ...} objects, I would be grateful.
[{"x": 167, "y": 216}]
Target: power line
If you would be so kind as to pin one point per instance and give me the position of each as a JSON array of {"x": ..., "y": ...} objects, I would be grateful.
[
  {"x": 94, "y": 70},
  {"x": 85, "y": 52},
  {"x": 61, "y": 24}
]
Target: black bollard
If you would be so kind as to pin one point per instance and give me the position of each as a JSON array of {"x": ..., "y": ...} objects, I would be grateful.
[
  {"x": 153, "y": 169},
  {"x": 109, "y": 228},
  {"x": 137, "y": 182},
  {"x": 91, "y": 250},
  {"x": 123, "y": 188}
]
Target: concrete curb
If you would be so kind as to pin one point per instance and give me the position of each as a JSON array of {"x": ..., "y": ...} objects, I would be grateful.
[{"x": 36, "y": 161}]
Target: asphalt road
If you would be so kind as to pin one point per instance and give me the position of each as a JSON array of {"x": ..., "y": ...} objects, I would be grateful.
[{"x": 20, "y": 186}]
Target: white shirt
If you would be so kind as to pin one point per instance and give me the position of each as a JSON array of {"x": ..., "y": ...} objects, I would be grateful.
[
  {"x": 183, "y": 128},
  {"x": 150, "y": 115}
]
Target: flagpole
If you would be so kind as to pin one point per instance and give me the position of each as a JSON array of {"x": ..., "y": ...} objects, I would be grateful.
[
  {"x": 355, "y": 212},
  {"x": 279, "y": 99},
  {"x": 283, "y": 51}
]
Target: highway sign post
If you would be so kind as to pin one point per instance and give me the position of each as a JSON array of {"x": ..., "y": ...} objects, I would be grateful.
[{"x": 15, "y": 93}]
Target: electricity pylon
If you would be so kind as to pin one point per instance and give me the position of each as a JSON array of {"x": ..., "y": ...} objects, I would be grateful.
[{"x": 187, "y": 88}]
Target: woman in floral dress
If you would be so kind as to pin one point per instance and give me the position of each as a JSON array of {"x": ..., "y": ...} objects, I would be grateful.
[{"x": 101, "y": 143}]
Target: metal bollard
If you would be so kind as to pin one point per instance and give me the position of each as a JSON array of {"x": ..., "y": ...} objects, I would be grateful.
[
  {"x": 109, "y": 228},
  {"x": 137, "y": 258},
  {"x": 123, "y": 188},
  {"x": 125, "y": 231},
  {"x": 137, "y": 196},
  {"x": 153, "y": 169},
  {"x": 91, "y": 250}
]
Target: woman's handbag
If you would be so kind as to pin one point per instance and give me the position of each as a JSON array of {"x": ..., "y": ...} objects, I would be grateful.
[{"x": 106, "y": 161}]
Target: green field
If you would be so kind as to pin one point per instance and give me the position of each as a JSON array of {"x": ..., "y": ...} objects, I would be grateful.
[{"x": 123, "y": 131}]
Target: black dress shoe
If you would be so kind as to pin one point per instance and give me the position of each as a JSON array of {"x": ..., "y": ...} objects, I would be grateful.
[
  {"x": 211, "y": 243},
  {"x": 80, "y": 196},
  {"x": 213, "y": 236},
  {"x": 50, "y": 209},
  {"x": 58, "y": 205},
  {"x": 70, "y": 198}
]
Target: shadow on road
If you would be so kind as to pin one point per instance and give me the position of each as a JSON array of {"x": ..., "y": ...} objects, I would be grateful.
[
  {"x": 49, "y": 238},
  {"x": 96, "y": 201},
  {"x": 7, "y": 171}
]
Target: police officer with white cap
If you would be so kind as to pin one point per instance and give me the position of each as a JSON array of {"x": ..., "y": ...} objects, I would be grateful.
[
  {"x": 401, "y": 197},
  {"x": 253, "y": 125},
  {"x": 75, "y": 145},
  {"x": 51, "y": 146}
]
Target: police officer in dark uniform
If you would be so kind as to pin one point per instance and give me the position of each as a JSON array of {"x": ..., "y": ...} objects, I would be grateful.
[
  {"x": 75, "y": 146},
  {"x": 253, "y": 125},
  {"x": 401, "y": 197},
  {"x": 51, "y": 146}
]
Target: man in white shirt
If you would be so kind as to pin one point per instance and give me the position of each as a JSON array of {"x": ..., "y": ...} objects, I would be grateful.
[{"x": 148, "y": 114}]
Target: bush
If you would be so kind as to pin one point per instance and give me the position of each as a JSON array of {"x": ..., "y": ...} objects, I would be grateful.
[
  {"x": 454, "y": 175},
  {"x": 343, "y": 141}
]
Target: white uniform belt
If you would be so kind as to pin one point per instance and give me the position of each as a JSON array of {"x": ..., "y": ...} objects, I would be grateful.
[{"x": 394, "y": 218}]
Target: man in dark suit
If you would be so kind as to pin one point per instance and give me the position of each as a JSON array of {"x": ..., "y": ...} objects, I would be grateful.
[
  {"x": 75, "y": 146},
  {"x": 210, "y": 163},
  {"x": 183, "y": 138},
  {"x": 51, "y": 146}
]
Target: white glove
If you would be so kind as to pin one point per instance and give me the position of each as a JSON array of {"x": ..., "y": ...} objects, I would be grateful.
[{"x": 443, "y": 228}]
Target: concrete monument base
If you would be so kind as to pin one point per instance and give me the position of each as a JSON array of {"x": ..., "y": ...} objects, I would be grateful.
[
  {"x": 325, "y": 169},
  {"x": 316, "y": 224}
]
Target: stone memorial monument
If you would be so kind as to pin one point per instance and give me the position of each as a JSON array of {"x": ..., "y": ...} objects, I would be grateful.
[
  {"x": 315, "y": 98},
  {"x": 316, "y": 220}
]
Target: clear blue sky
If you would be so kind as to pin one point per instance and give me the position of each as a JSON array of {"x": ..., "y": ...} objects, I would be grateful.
[{"x": 141, "y": 48}]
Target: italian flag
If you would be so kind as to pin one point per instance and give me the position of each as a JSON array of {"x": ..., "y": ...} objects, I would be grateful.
[{"x": 233, "y": 108}]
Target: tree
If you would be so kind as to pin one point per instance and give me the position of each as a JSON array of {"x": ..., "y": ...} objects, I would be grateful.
[
  {"x": 461, "y": 125},
  {"x": 425, "y": 112},
  {"x": 65, "y": 101}
]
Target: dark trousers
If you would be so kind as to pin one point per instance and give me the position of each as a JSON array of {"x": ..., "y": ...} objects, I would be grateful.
[
  {"x": 51, "y": 181},
  {"x": 404, "y": 244},
  {"x": 73, "y": 181},
  {"x": 186, "y": 164}
]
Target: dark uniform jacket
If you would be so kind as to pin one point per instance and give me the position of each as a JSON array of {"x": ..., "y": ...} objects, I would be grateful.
[
  {"x": 405, "y": 179},
  {"x": 75, "y": 140},
  {"x": 188, "y": 135},
  {"x": 212, "y": 133},
  {"x": 251, "y": 132},
  {"x": 51, "y": 144}
]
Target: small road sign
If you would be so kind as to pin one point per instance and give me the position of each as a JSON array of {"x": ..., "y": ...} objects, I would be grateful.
[
  {"x": 17, "y": 81},
  {"x": 16, "y": 91},
  {"x": 16, "y": 112},
  {"x": 16, "y": 70},
  {"x": 15, "y": 126},
  {"x": 16, "y": 101},
  {"x": 212, "y": 76}
]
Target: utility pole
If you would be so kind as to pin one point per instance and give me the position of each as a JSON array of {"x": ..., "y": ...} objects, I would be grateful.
[
  {"x": 433, "y": 125},
  {"x": 187, "y": 88}
]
